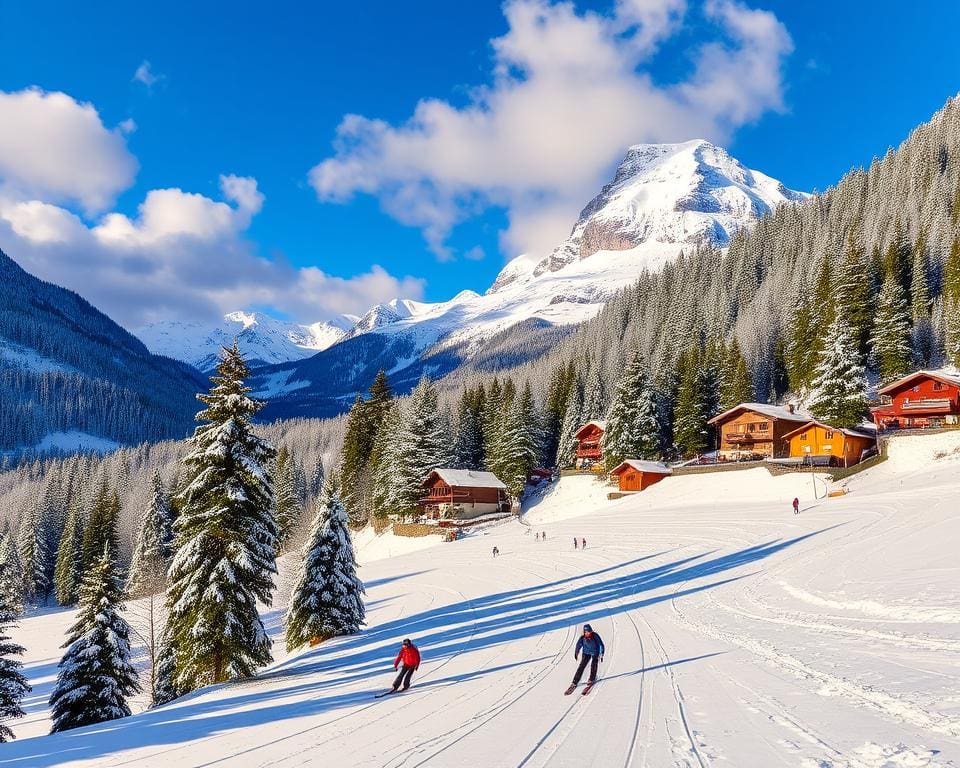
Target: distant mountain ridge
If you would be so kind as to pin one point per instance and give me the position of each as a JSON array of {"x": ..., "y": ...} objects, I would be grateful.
[
  {"x": 71, "y": 377},
  {"x": 664, "y": 198}
]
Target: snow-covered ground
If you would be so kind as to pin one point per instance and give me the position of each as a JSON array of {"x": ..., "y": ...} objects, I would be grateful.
[{"x": 737, "y": 634}]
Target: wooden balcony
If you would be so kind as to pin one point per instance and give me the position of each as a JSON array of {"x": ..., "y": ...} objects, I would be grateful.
[
  {"x": 928, "y": 404},
  {"x": 740, "y": 438},
  {"x": 589, "y": 451}
]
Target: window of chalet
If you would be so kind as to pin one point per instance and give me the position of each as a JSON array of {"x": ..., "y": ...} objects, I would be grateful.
[
  {"x": 803, "y": 435},
  {"x": 916, "y": 388},
  {"x": 764, "y": 425},
  {"x": 829, "y": 435},
  {"x": 937, "y": 386}
]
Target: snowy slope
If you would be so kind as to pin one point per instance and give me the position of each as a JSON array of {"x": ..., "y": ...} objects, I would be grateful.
[
  {"x": 264, "y": 340},
  {"x": 736, "y": 634}
]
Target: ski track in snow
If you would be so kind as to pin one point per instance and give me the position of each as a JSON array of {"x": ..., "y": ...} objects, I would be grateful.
[{"x": 737, "y": 634}]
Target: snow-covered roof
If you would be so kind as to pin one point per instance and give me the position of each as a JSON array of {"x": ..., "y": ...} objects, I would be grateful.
[
  {"x": 600, "y": 424},
  {"x": 654, "y": 467},
  {"x": 468, "y": 478},
  {"x": 773, "y": 411},
  {"x": 947, "y": 378},
  {"x": 862, "y": 430}
]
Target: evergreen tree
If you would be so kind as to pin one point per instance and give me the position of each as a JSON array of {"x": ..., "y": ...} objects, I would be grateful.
[
  {"x": 318, "y": 476},
  {"x": 854, "y": 296},
  {"x": 517, "y": 451},
  {"x": 69, "y": 557},
  {"x": 96, "y": 676},
  {"x": 13, "y": 685},
  {"x": 423, "y": 443},
  {"x": 573, "y": 419},
  {"x": 164, "y": 678},
  {"x": 595, "y": 395},
  {"x": 802, "y": 344},
  {"x": 226, "y": 539},
  {"x": 286, "y": 502},
  {"x": 840, "y": 385},
  {"x": 633, "y": 425},
  {"x": 690, "y": 413},
  {"x": 736, "y": 384},
  {"x": 554, "y": 409},
  {"x": 11, "y": 574},
  {"x": 363, "y": 423},
  {"x": 152, "y": 551},
  {"x": 101, "y": 527},
  {"x": 890, "y": 344},
  {"x": 468, "y": 438},
  {"x": 328, "y": 597}
]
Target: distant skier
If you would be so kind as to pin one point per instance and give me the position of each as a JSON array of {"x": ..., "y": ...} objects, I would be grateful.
[
  {"x": 592, "y": 647},
  {"x": 496, "y": 551},
  {"x": 583, "y": 543},
  {"x": 543, "y": 535},
  {"x": 796, "y": 506},
  {"x": 537, "y": 536},
  {"x": 409, "y": 656},
  {"x": 574, "y": 542}
]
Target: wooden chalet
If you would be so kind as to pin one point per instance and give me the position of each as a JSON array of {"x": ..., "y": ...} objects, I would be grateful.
[
  {"x": 638, "y": 475},
  {"x": 823, "y": 445},
  {"x": 756, "y": 431},
  {"x": 919, "y": 401},
  {"x": 589, "y": 437},
  {"x": 462, "y": 494}
]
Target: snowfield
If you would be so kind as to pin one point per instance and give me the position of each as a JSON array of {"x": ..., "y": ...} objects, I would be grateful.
[{"x": 736, "y": 634}]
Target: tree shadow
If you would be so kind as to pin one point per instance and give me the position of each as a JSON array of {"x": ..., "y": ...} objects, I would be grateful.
[{"x": 298, "y": 689}]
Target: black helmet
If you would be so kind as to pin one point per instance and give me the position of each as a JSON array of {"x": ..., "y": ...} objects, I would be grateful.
[
  {"x": 406, "y": 641},
  {"x": 587, "y": 628}
]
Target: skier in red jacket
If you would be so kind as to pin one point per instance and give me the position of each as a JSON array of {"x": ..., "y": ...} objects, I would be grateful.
[{"x": 409, "y": 656}]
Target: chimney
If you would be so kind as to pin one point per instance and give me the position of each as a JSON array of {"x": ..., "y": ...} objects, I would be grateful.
[{"x": 789, "y": 407}]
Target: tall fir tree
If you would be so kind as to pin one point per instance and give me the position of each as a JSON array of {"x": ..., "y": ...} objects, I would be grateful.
[
  {"x": 633, "y": 425},
  {"x": 96, "y": 676},
  {"x": 67, "y": 575},
  {"x": 363, "y": 423},
  {"x": 100, "y": 529},
  {"x": 921, "y": 332},
  {"x": 890, "y": 347},
  {"x": 327, "y": 600},
  {"x": 468, "y": 438},
  {"x": 802, "y": 344},
  {"x": 840, "y": 386},
  {"x": 147, "y": 574},
  {"x": 226, "y": 538},
  {"x": 285, "y": 498},
  {"x": 690, "y": 413},
  {"x": 573, "y": 419},
  {"x": 518, "y": 448},
  {"x": 13, "y": 684},
  {"x": 165, "y": 688},
  {"x": 854, "y": 296},
  {"x": 736, "y": 382},
  {"x": 11, "y": 570}
]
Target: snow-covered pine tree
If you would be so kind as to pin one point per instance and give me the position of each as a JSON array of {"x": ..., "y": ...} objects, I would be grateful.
[
  {"x": 147, "y": 574},
  {"x": 736, "y": 385},
  {"x": 802, "y": 343},
  {"x": 96, "y": 676},
  {"x": 225, "y": 558},
  {"x": 66, "y": 578},
  {"x": 363, "y": 424},
  {"x": 690, "y": 412},
  {"x": 573, "y": 419},
  {"x": 840, "y": 386},
  {"x": 383, "y": 463},
  {"x": 633, "y": 424},
  {"x": 285, "y": 501},
  {"x": 921, "y": 332},
  {"x": 890, "y": 344},
  {"x": 164, "y": 673},
  {"x": 854, "y": 295},
  {"x": 423, "y": 443},
  {"x": 101, "y": 527},
  {"x": 518, "y": 448},
  {"x": 318, "y": 476},
  {"x": 13, "y": 685},
  {"x": 595, "y": 394},
  {"x": 34, "y": 555},
  {"x": 468, "y": 437},
  {"x": 11, "y": 585},
  {"x": 328, "y": 597}
]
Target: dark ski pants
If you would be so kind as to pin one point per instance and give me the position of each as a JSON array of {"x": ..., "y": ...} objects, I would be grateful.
[
  {"x": 584, "y": 660},
  {"x": 404, "y": 677}
]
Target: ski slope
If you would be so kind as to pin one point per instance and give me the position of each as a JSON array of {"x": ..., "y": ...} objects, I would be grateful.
[{"x": 737, "y": 634}]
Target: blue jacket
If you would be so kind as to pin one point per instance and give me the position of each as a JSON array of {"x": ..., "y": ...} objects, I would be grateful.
[{"x": 591, "y": 646}]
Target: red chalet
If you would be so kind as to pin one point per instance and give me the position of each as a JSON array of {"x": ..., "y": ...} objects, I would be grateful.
[
  {"x": 918, "y": 401},
  {"x": 588, "y": 443},
  {"x": 463, "y": 493}
]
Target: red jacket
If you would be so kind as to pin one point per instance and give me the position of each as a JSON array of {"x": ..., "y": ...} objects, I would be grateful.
[{"x": 409, "y": 655}]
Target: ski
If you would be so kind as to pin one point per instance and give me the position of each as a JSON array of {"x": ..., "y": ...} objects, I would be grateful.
[
  {"x": 570, "y": 690},
  {"x": 587, "y": 689},
  {"x": 385, "y": 693}
]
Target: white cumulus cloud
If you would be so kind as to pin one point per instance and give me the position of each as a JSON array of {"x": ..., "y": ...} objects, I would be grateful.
[{"x": 568, "y": 93}]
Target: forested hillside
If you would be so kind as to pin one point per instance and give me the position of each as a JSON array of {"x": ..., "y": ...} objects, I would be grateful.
[{"x": 66, "y": 367}]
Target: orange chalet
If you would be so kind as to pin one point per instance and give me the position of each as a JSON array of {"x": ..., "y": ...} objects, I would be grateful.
[
  {"x": 637, "y": 475},
  {"x": 756, "y": 430},
  {"x": 823, "y": 445}
]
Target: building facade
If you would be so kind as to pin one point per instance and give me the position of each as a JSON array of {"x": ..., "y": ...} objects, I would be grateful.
[
  {"x": 919, "y": 401},
  {"x": 462, "y": 494},
  {"x": 822, "y": 444},
  {"x": 589, "y": 447},
  {"x": 637, "y": 475},
  {"x": 755, "y": 431}
]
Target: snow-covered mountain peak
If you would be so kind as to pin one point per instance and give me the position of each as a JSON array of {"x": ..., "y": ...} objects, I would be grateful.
[{"x": 663, "y": 194}]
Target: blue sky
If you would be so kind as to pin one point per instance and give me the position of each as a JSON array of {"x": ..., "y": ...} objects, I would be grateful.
[{"x": 258, "y": 92}]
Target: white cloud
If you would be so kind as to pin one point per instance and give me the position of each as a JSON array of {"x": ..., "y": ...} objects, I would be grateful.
[
  {"x": 567, "y": 95},
  {"x": 127, "y": 126},
  {"x": 145, "y": 75},
  {"x": 57, "y": 149}
]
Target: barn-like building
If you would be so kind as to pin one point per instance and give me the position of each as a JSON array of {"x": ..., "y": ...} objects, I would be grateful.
[
  {"x": 638, "y": 475},
  {"x": 462, "y": 494},
  {"x": 756, "y": 430},
  {"x": 589, "y": 438},
  {"x": 823, "y": 445},
  {"x": 921, "y": 400}
]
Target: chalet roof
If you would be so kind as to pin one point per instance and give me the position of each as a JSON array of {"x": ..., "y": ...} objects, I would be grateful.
[
  {"x": 946, "y": 378},
  {"x": 653, "y": 467},
  {"x": 773, "y": 411},
  {"x": 864, "y": 431},
  {"x": 467, "y": 478},
  {"x": 601, "y": 424}
]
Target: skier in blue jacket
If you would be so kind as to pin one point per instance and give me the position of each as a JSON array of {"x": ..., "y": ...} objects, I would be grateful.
[{"x": 591, "y": 645}]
